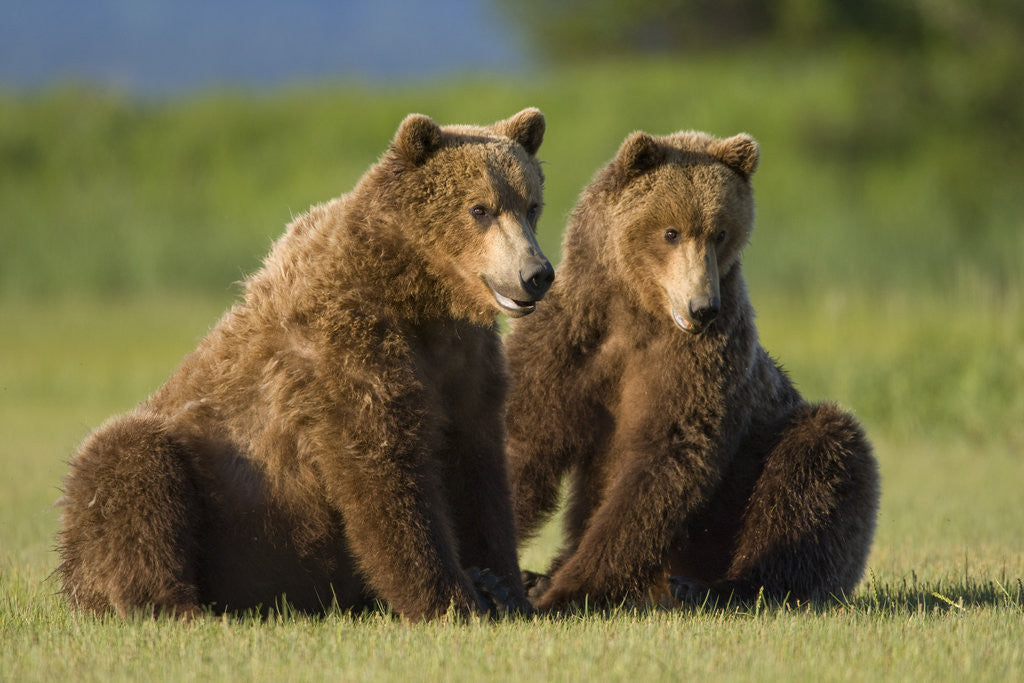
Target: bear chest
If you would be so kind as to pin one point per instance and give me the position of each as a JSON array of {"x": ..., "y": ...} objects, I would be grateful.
[{"x": 459, "y": 371}]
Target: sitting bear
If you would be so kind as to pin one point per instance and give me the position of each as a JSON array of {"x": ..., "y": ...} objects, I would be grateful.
[
  {"x": 690, "y": 452},
  {"x": 338, "y": 438}
]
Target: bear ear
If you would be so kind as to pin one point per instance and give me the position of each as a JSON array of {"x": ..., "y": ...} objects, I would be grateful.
[
  {"x": 527, "y": 128},
  {"x": 639, "y": 152},
  {"x": 740, "y": 152},
  {"x": 417, "y": 138}
]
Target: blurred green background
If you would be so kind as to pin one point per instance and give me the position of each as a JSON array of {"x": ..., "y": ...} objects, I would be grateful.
[{"x": 887, "y": 265}]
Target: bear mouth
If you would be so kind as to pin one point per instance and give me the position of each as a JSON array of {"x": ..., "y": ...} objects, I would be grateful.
[
  {"x": 514, "y": 308},
  {"x": 682, "y": 323}
]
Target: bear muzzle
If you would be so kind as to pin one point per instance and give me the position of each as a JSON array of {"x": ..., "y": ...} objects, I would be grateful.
[
  {"x": 700, "y": 312},
  {"x": 534, "y": 280}
]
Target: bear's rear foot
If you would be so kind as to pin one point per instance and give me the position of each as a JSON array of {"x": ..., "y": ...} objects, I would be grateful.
[
  {"x": 127, "y": 538},
  {"x": 697, "y": 594},
  {"x": 692, "y": 593}
]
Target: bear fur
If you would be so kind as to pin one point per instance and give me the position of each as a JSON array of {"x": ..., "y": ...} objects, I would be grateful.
[
  {"x": 338, "y": 438},
  {"x": 689, "y": 452}
]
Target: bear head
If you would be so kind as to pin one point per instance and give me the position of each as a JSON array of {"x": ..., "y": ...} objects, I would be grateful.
[
  {"x": 681, "y": 209},
  {"x": 470, "y": 198}
]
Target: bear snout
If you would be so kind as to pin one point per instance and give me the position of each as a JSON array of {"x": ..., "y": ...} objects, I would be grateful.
[
  {"x": 536, "y": 277},
  {"x": 700, "y": 312},
  {"x": 704, "y": 309}
]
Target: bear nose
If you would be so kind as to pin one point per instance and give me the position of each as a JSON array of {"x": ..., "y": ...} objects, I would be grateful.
[
  {"x": 537, "y": 277},
  {"x": 705, "y": 309}
]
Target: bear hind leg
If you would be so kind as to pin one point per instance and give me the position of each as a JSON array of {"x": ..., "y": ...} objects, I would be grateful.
[
  {"x": 129, "y": 524},
  {"x": 808, "y": 526}
]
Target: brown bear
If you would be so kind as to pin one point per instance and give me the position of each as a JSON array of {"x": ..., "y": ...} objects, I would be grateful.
[
  {"x": 690, "y": 452},
  {"x": 338, "y": 438}
]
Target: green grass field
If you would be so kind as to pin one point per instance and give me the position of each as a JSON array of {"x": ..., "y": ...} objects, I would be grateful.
[{"x": 887, "y": 269}]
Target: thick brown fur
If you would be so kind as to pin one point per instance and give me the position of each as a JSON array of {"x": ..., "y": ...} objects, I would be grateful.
[
  {"x": 689, "y": 451},
  {"x": 338, "y": 437}
]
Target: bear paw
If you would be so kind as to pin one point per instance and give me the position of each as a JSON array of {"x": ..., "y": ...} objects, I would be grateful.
[
  {"x": 496, "y": 594},
  {"x": 535, "y": 584},
  {"x": 688, "y": 592}
]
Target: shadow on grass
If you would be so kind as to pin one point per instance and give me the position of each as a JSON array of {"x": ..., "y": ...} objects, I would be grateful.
[
  {"x": 941, "y": 595},
  {"x": 899, "y": 598},
  {"x": 876, "y": 598},
  {"x": 890, "y": 599}
]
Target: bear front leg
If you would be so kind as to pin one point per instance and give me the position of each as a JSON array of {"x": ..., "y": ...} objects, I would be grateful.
[
  {"x": 553, "y": 417},
  {"x": 480, "y": 502},
  {"x": 399, "y": 534},
  {"x": 626, "y": 541},
  {"x": 379, "y": 462},
  {"x": 653, "y": 487}
]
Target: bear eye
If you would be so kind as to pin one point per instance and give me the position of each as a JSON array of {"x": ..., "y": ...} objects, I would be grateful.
[
  {"x": 672, "y": 235},
  {"x": 720, "y": 237},
  {"x": 532, "y": 214},
  {"x": 478, "y": 211}
]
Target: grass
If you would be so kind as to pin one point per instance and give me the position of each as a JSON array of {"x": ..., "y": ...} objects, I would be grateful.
[
  {"x": 886, "y": 269},
  {"x": 905, "y": 635},
  {"x": 943, "y": 598}
]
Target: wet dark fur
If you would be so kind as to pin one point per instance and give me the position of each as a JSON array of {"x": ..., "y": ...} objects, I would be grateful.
[{"x": 689, "y": 455}]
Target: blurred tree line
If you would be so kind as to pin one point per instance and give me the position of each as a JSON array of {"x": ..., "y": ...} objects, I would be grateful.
[
  {"x": 562, "y": 30},
  {"x": 919, "y": 70}
]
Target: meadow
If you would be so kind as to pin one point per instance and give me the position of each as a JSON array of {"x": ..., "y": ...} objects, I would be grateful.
[{"x": 887, "y": 269}]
